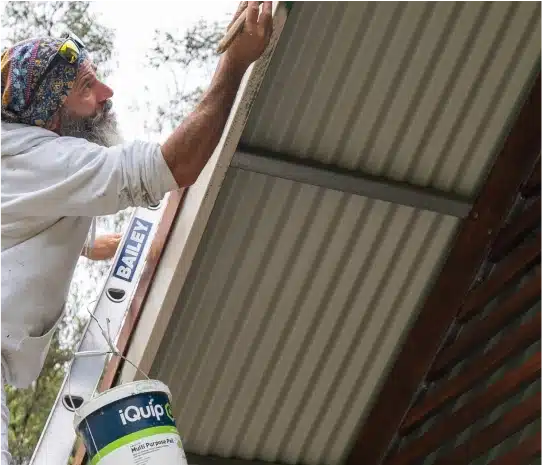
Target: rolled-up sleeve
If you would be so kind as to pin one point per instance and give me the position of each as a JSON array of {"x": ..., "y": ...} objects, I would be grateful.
[{"x": 66, "y": 176}]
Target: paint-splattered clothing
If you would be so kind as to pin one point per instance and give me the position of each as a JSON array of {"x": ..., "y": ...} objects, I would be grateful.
[{"x": 52, "y": 187}]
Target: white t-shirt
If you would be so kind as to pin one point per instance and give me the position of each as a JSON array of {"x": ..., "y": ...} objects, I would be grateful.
[{"x": 52, "y": 187}]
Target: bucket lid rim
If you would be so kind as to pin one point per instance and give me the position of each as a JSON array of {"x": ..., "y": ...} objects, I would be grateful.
[{"x": 116, "y": 393}]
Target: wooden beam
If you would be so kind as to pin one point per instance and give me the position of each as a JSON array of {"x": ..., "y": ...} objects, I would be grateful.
[
  {"x": 175, "y": 203},
  {"x": 507, "y": 271},
  {"x": 158, "y": 244},
  {"x": 522, "y": 454},
  {"x": 516, "y": 231},
  {"x": 481, "y": 331},
  {"x": 511, "y": 168},
  {"x": 532, "y": 186},
  {"x": 511, "y": 422},
  {"x": 482, "y": 367},
  {"x": 450, "y": 426}
]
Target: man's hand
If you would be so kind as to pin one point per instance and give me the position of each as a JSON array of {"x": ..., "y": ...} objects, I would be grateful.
[
  {"x": 251, "y": 42},
  {"x": 104, "y": 248}
]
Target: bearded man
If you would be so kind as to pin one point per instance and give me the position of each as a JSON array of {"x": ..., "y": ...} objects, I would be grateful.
[{"x": 63, "y": 163}]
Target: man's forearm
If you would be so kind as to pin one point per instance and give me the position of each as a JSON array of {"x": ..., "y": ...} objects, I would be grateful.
[{"x": 191, "y": 145}]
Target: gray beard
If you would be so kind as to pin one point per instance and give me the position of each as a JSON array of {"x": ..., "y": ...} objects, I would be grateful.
[{"x": 102, "y": 128}]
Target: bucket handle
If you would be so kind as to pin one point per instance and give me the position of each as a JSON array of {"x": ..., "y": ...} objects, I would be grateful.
[{"x": 95, "y": 353}]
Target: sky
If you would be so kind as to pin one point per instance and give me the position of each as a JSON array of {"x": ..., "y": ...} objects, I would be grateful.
[{"x": 134, "y": 23}]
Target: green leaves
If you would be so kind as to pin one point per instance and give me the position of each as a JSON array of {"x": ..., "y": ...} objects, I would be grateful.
[
  {"x": 195, "y": 47},
  {"x": 29, "y": 408},
  {"x": 186, "y": 60}
]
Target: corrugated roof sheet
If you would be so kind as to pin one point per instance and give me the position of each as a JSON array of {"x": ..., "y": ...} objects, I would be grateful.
[
  {"x": 421, "y": 92},
  {"x": 292, "y": 310}
]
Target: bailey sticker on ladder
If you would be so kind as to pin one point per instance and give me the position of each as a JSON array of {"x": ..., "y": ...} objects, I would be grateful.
[{"x": 136, "y": 238}]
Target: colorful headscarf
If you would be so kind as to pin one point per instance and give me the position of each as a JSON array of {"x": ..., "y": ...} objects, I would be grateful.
[{"x": 22, "y": 66}]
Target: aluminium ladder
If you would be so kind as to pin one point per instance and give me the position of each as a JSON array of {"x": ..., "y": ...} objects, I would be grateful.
[{"x": 58, "y": 437}]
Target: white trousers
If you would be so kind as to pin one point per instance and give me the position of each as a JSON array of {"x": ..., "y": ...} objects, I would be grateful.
[{"x": 6, "y": 456}]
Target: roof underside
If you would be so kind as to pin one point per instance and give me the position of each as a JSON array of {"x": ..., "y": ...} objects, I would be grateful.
[
  {"x": 294, "y": 304},
  {"x": 299, "y": 296},
  {"x": 412, "y": 91}
]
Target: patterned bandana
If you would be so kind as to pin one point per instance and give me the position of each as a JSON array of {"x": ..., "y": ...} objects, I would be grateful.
[{"x": 22, "y": 66}]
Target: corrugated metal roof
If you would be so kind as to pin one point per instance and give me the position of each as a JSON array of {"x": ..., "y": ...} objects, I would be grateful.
[
  {"x": 293, "y": 308},
  {"x": 421, "y": 92}
]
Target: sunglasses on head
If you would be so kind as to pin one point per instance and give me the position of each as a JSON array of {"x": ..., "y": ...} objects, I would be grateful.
[{"x": 68, "y": 52}]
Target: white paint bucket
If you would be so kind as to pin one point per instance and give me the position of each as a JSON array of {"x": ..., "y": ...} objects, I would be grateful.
[{"x": 131, "y": 424}]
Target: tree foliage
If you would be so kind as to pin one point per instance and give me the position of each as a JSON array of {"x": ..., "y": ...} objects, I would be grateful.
[
  {"x": 192, "y": 53},
  {"x": 29, "y": 408}
]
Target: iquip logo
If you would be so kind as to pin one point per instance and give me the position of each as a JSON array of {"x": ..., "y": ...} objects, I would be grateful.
[{"x": 133, "y": 413}]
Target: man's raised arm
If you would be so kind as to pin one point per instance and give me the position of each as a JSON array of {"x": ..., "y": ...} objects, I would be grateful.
[{"x": 189, "y": 147}]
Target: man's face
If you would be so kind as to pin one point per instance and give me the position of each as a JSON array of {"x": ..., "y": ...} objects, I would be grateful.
[{"x": 86, "y": 112}]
